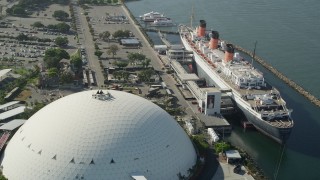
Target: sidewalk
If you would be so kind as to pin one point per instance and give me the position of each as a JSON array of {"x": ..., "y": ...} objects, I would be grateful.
[{"x": 225, "y": 171}]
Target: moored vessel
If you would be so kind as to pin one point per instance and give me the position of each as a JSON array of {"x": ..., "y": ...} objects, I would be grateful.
[
  {"x": 164, "y": 21},
  {"x": 151, "y": 16},
  {"x": 222, "y": 67}
]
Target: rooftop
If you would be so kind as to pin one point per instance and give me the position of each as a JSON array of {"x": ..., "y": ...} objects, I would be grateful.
[{"x": 12, "y": 124}]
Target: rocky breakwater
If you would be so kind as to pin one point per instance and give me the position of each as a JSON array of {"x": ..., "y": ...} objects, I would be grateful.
[{"x": 288, "y": 81}]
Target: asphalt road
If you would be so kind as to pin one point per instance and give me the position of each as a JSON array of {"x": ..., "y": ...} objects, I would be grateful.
[
  {"x": 85, "y": 38},
  {"x": 157, "y": 64}
]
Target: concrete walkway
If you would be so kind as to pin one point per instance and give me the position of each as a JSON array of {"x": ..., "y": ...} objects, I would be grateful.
[{"x": 225, "y": 171}]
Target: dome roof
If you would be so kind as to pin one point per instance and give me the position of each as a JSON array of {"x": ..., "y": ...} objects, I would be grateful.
[{"x": 104, "y": 135}]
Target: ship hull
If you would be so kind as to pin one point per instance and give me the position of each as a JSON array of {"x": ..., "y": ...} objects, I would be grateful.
[{"x": 280, "y": 135}]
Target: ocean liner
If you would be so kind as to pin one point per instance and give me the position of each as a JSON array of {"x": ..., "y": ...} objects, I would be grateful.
[{"x": 223, "y": 68}]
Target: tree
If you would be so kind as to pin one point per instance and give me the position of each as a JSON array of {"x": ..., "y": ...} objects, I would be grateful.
[
  {"x": 104, "y": 35},
  {"x": 56, "y": 52},
  {"x": 60, "y": 15},
  {"x": 37, "y": 24},
  {"x": 52, "y": 27},
  {"x": 146, "y": 62},
  {"x": 145, "y": 75},
  {"x": 121, "y": 75},
  {"x": 109, "y": 1},
  {"x": 121, "y": 64},
  {"x": 121, "y": 34},
  {"x": 76, "y": 60},
  {"x": 98, "y": 53},
  {"x": 115, "y": 1},
  {"x": 22, "y": 37},
  {"x": 221, "y": 146},
  {"x": 17, "y": 10},
  {"x": 113, "y": 50},
  {"x": 125, "y": 75},
  {"x": 63, "y": 27},
  {"x": 53, "y": 56},
  {"x": 134, "y": 57},
  {"x": 66, "y": 77},
  {"x": 200, "y": 142},
  {"x": 61, "y": 41},
  {"x": 53, "y": 72},
  {"x": 117, "y": 75}
]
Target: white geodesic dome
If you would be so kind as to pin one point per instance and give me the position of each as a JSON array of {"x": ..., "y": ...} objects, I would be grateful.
[{"x": 104, "y": 135}]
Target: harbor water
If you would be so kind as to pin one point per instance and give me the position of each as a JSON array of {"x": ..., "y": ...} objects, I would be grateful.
[{"x": 288, "y": 38}]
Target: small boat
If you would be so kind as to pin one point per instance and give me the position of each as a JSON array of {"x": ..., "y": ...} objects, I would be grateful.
[
  {"x": 162, "y": 22},
  {"x": 151, "y": 16}
]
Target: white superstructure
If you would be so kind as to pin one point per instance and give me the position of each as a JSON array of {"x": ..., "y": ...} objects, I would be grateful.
[
  {"x": 151, "y": 16},
  {"x": 99, "y": 135}
]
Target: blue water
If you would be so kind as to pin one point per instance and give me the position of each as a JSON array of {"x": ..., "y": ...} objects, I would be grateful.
[{"x": 288, "y": 35}]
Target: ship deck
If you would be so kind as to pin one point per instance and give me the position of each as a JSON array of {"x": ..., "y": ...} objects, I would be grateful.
[{"x": 274, "y": 106}]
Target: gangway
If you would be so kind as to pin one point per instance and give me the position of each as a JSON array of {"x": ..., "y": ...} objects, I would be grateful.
[{"x": 164, "y": 39}]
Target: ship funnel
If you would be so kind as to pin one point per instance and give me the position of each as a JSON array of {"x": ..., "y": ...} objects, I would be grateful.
[
  {"x": 214, "y": 40},
  {"x": 202, "y": 28},
  {"x": 229, "y": 53}
]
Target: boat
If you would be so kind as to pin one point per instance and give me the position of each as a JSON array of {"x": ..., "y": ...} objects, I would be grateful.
[
  {"x": 224, "y": 68},
  {"x": 151, "y": 16},
  {"x": 164, "y": 21}
]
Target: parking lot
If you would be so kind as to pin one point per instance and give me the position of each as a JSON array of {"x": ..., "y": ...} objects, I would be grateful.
[{"x": 30, "y": 53}]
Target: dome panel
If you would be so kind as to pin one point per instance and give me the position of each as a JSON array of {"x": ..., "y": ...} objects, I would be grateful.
[{"x": 105, "y": 135}]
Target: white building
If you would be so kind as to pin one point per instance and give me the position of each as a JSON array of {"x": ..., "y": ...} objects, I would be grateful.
[{"x": 99, "y": 135}]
